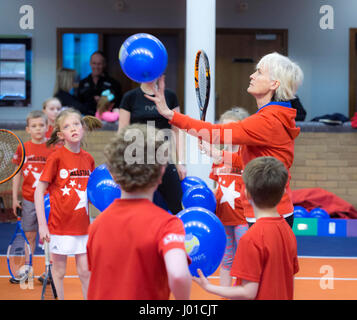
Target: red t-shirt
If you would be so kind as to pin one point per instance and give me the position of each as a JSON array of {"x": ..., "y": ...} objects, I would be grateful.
[
  {"x": 67, "y": 174},
  {"x": 269, "y": 132},
  {"x": 49, "y": 131},
  {"x": 228, "y": 195},
  {"x": 35, "y": 160},
  {"x": 267, "y": 253},
  {"x": 126, "y": 247}
]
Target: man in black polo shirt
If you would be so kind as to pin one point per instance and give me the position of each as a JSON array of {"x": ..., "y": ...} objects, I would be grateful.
[{"x": 91, "y": 87}]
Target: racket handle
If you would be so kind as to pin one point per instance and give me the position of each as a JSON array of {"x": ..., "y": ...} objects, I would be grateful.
[{"x": 18, "y": 212}]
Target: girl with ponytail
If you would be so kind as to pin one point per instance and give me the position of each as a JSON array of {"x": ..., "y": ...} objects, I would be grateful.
[{"x": 65, "y": 176}]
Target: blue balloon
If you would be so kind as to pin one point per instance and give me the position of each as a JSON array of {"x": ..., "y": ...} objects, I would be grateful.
[
  {"x": 300, "y": 212},
  {"x": 190, "y": 181},
  {"x": 199, "y": 196},
  {"x": 143, "y": 57},
  {"x": 319, "y": 213},
  {"x": 205, "y": 239},
  {"x": 47, "y": 205},
  {"x": 101, "y": 188}
]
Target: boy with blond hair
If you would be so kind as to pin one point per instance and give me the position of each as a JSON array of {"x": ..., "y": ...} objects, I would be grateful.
[{"x": 36, "y": 153}]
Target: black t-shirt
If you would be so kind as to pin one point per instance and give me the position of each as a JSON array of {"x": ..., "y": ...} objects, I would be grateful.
[
  {"x": 143, "y": 110},
  {"x": 87, "y": 90}
]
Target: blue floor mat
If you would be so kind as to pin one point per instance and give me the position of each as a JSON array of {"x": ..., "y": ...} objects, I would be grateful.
[{"x": 307, "y": 245}]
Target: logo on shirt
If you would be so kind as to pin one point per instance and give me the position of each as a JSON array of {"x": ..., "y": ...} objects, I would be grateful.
[
  {"x": 63, "y": 173},
  {"x": 192, "y": 244},
  {"x": 173, "y": 237}
]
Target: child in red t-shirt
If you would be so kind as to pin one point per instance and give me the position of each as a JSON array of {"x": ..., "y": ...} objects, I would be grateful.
[
  {"x": 36, "y": 153},
  {"x": 228, "y": 176},
  {"x": 266, "y": 259},
  {"x": 136, "y": 249},
  {"x": 51, "y": 107},
  {"x": 65, "y": 175}
]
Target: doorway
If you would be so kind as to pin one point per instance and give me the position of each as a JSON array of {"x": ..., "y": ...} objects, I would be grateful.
[{"x": 237, "y": 53}]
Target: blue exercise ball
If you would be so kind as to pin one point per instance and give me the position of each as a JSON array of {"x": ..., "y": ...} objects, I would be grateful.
[
  {"x": 143, "y": 57},
  {"x": 101, "y": 188},
  {"x": 190, "y": 181},
  {"x": 47, "y": 205},
  {"x": 300, "y": 212},
  {"x": 205, "y": 239},
  {"x": 199, "y": 196},
  {"x": 319, "y": 213}
]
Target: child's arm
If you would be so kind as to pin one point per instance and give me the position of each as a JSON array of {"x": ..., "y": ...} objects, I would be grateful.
[
  {"x": 40, "y": 210},
  {"x": 179, "y": 276},
  {"x": 16, "y": 182},
  {"x": 247, "y": 291}
]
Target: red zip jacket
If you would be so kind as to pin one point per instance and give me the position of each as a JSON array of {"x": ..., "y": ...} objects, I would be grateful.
[{"x": 271, "y": 131}]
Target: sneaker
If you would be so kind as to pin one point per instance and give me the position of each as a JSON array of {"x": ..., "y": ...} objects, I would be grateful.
[
  {"x": 14, "y": 281},
  {"x": 41, "y": 278}
]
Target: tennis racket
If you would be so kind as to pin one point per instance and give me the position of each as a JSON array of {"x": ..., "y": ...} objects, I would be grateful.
[
  {"x": 19, "y": 255},
  {"x": 12, "y": 155},
  {"x": 202, "y": 82},
  {"x": 49, "y": 293}
]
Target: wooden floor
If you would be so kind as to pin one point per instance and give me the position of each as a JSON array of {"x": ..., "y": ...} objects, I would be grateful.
[{"x": 319, "y": 278}]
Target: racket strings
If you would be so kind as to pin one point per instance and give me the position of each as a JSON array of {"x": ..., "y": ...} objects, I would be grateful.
[
  {"x": 19, "y": 257},
  {"x": 8, "y": 147},
  {"x": 202, "y": 81}
]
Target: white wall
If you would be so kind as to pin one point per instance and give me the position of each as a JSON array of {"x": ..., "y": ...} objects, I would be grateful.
[{"x": 322, "y": 54}]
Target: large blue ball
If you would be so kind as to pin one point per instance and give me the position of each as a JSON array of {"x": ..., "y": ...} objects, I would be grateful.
[
  {"x": 300, "y": 212},
  {"x": 143, "y": 57},
  {"x": 319, "y": 213},
  {"x": 101, "y": 188},
  {"x": 205, "y": 240},
  {"x": 190, "y": 181},
  {"x": 199, "y": 196}
]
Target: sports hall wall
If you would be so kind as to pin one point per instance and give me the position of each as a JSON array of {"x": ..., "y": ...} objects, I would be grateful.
[
  {"x": 322, "y": 54},
  {"x": 322, "y": 159}
]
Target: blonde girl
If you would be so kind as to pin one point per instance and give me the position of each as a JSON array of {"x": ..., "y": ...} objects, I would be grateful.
[
  {"x": 51, "y": 107},
  {"x": 65, "y": 176},
  {"x": 228, "y": 176}
]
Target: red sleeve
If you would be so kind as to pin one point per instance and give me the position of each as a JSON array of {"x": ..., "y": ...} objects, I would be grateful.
[
  {"x": 232, "y": 158},
  {"x": 50, "y": 170},
  {"x": 254, "y": 130},
  {"x": 213, "y": 174},
  {"x": 172, "y": 236},
  {"x": 247, "y": 264},
  {"x": 17, "y": 156}
]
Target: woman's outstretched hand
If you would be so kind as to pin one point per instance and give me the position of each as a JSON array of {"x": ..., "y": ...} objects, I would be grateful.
[{"x": 158, "y": 88}]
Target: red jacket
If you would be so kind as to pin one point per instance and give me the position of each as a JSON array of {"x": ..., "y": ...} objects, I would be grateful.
[{"x": 271, "y": 131}]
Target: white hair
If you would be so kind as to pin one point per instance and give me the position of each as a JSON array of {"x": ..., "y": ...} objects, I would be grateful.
[{"x": 288, "y": 73}]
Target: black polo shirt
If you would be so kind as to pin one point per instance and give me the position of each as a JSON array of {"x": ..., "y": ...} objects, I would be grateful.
[{"x": 87, "y": 90}]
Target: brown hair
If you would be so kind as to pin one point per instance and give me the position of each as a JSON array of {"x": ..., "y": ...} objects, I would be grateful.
[
  {"x": 103, "y": 104},
  {"x": 89, "y": 123},
  {"x": 136, "y": 169},
  {"x": 35, "y": 114},
  {"x": 265, "y": 179}
]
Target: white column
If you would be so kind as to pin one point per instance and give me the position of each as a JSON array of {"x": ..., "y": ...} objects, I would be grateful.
[{"x": 200, "y": 34}]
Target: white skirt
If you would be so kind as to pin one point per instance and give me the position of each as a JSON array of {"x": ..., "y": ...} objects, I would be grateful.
[{"x": 68, "y": 245}]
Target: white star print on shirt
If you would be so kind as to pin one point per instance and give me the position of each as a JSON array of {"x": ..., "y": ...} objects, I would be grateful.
[
  {"x": 37, "y": 176},
  {"x": 83, "y": 202},
  {"x": 65, "y": 190},
  {"x": 229, "y": 194},
  {"x": 72, "y": 183}
]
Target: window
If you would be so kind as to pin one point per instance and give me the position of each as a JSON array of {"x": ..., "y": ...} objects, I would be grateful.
[{"x": 15, "y": 72}]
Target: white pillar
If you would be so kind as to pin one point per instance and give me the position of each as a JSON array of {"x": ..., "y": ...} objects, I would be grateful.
[{"x": 200, "y": 34}]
